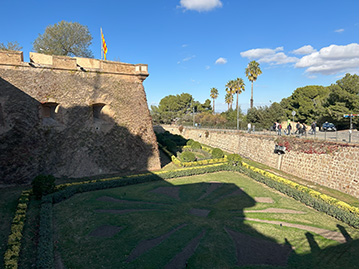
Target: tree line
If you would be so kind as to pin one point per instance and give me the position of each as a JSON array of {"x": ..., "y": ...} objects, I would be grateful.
[{"x": 310, "y": 103}]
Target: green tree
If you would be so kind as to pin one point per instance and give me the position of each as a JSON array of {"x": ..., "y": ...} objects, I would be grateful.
[
  {"x": 229, "y": 100},
  {"x": 307, "y": 102},
  {"x": 230, "y": 93},
  {"x": 214, "y": 95},
  {"x": 239, "y": 87},
  {"x": 252, "y": 72},
  {"x": 343, "y": 99},
  {"x": 264, "y": 116},
  {"x": 65, "y": 38},
  {"x": 10, "y": 46}
]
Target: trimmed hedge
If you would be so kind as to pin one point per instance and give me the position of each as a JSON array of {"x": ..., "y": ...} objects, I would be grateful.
[
  {"x": 43, "y": 185},
  {"x": 178, "y": 162},
  {"x": 217, "y": 153},
  {"x": 45, "y": 248},
  {"x": 321, "y": 202},
  {"x": 188, "y": 156},
  {"x": 11, "y": 256}
]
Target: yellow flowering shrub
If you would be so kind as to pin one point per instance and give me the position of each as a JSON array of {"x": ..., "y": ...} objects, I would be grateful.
[
  {"x": 11, "y": 256},
  {"x": 313, "y": 193}
]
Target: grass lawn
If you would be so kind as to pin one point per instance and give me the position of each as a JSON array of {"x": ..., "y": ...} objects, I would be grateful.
[{"x": 199, "y": 222}]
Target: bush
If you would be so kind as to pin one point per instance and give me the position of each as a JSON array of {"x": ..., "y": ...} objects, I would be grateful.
[
  {"x": 196, "y": 145},
  {"x": 43, "y": 185},
  {"x": 190, "y": 142},
  {"x": 188, "y": 156},
  {"x": 171, "y": 146},
  {"x": 234, "y": 159},
  {"x": 217, "y": 153}
]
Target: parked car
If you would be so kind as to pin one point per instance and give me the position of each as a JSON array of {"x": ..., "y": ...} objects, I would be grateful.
[{"x": 327, "y": 126}]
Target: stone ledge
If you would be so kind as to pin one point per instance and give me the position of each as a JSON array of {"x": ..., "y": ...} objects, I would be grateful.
[{"x": 15, "y": 58}]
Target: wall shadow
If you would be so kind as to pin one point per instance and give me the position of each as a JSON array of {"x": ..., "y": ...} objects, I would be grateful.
[{"x": 66, "y": 142}]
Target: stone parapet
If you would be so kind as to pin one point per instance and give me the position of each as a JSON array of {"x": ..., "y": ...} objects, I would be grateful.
[
  {"x": 11, "y": 57},
  {"x": 15, "y": 58}
]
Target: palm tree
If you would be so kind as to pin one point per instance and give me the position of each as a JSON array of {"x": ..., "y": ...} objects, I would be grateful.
[
  {"x": 228, "y": 99},
  {"x": 252, "y": 72},
  {"x": 239, "y": 87},
  {"x": 214, "y": 95}
]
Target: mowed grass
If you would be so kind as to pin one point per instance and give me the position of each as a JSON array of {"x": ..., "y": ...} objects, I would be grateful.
[{"x": 157, "y": 211}]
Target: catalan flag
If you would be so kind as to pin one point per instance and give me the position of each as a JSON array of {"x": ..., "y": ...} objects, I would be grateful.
[{"x": 104, "y": 46}]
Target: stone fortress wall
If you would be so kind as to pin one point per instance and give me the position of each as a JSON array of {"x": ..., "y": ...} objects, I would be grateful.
[
  {"x": 338, "y": 170},
  {"x": 72, "y": 117}
]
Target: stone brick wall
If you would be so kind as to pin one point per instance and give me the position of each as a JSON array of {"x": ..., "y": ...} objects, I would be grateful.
[
  {"x": 60, "y": 118},
  {"x": 337, "y": 170}
]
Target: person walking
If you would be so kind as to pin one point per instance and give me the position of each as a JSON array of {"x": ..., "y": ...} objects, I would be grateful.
[
  {"x": 297, "y": 127},
  {"x": 249, "y": 127},
  {"x": 313, "y": 126},
  {"x": 289, "y": 128},
  {"x": 279, "y": 129}
]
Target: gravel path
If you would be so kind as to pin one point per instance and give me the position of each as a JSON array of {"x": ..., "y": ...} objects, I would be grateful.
[
  {"x": 337, "y": 236},
  {"x": 146, "y": 245},
  {"x": 180, "y": 260},
  {"x": 275, "y": 210}
]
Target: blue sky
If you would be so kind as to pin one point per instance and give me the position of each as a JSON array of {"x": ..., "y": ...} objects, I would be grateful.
[{"x": 193, "y": 45}]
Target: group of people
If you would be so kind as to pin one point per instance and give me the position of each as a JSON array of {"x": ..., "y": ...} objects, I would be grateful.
[{"x": 301, "y": 128}]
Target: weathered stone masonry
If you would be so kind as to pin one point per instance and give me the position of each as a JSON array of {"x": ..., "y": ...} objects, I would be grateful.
[
  {"x": 337, "y": 170},
  {"x": 72, "y": 117}
]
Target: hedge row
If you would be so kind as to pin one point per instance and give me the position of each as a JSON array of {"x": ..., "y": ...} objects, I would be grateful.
[
  {"x": 313, "y": 193},
  {"x": 11, "y": 256},
  {"x": 45, "y": 248},
  {"x": 178, "y": 162},
  {"x": 321, "y": 202}
]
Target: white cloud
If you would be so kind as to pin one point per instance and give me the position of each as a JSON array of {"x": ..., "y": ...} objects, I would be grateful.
[
  {"x": 271, "y": 56},
  {"x": 332, "y": 60},
  {"x": 186, "y": 59},
  {"x": 207, "y": 67},
  {"x": 221, "y": 60},
  {"x": 200, "y": 5},
  {"x": 259, "y": 53},
  {"x": 339, "y": 30},
  {"x": 308, "y": 49}
]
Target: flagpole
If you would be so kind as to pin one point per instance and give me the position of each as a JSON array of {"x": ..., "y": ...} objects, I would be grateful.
[{"x": 101, "y": 45}]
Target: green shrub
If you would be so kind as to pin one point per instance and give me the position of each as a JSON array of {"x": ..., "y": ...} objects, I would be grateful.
[
  {"x": 190, "y": 142},
  {"x": 234, "y": 159},
  {"x": 171, "y": 146},
  {"x": 188, "y": 156},
  {"x": 217, "y": 153},
  {"x": 43, "y": 185},
  {"x": 196, "y": 145}
]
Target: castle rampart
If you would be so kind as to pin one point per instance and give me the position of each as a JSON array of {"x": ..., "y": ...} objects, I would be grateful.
[
  {"x": 72, "y": 117},
  {"x": 338, "y": 168}
]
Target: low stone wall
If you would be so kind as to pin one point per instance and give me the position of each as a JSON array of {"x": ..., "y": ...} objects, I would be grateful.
[{"x": 337, "y": 169}]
